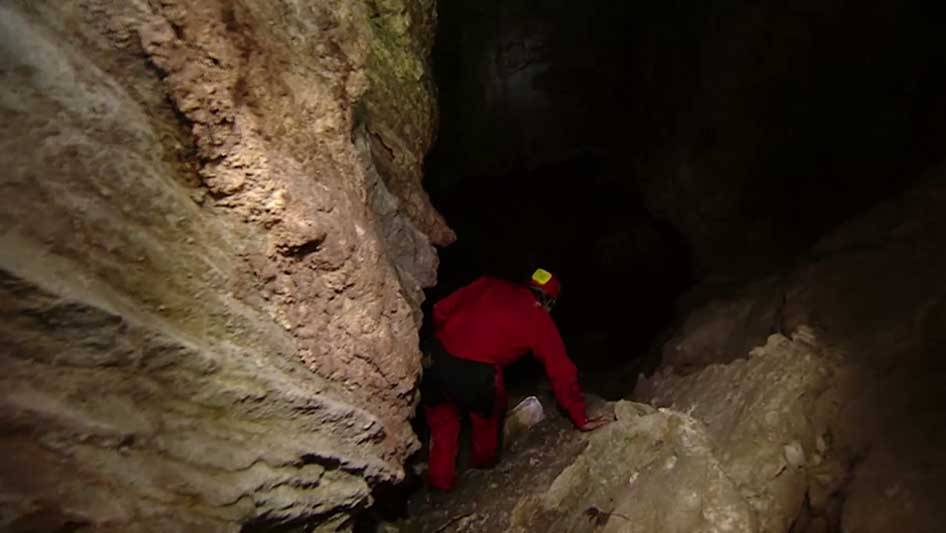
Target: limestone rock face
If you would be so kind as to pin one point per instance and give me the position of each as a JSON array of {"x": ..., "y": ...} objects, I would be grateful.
[
  {"x": 210, "y": 271},
  {"x": 766, "y": 415},
  {"x": 865, "y": 432},
  {"x": 648, "y": 471},
  {"x": 401, "y": 115},
  {"x": 733, "y": 453},
  {"x": 875, "y": 287}
]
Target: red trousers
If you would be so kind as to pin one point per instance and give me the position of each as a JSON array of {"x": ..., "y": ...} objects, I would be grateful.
[{"x": 444, "y": 422}]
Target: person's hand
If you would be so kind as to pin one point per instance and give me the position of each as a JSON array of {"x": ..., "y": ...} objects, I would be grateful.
[{"x": 595, "y": 423}]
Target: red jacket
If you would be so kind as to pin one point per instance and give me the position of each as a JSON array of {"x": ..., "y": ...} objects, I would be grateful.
[{"x": 497, "y": 322}]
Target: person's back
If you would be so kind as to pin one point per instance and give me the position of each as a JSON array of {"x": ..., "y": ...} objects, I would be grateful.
[{"x": 491, "y": 321}]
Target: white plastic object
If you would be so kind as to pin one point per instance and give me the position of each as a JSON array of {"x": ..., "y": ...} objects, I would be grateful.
[
  {"x": 529, "y": 411},
  {"x": 522, "y": 417}
]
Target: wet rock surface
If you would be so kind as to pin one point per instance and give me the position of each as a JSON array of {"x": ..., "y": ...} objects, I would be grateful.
[{"x": 210, "y": 282}]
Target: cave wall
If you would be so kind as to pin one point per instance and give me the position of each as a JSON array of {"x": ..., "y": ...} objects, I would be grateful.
[
  {"x": 765, "y": 124},
  {"x": 753, "y": 127},
  {"x": 870, "y": 296},
  {"x": 214, "y": 242},
  {"x": 525, "y": 83}
]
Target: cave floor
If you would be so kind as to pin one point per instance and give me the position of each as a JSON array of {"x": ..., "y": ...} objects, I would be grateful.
[{"x": 483, "y": 500}]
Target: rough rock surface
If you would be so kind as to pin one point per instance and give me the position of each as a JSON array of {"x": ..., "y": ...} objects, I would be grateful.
[
  {"x": 648, "y": 471},
  {"x": 210, "y": 271},
  {"x": 689, "y": 467},
  {"x": 731, "y": 322},
  {"x": 873, "y": 290},
  {"x": 875, "y": 287},
  {"x": 401, "y": 115},
  {"x": 771, "y": 417}
]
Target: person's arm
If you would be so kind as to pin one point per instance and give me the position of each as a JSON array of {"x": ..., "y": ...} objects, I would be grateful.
[
  {"x": 548, "y": 347},
  {"x": 445, "y": 307}
]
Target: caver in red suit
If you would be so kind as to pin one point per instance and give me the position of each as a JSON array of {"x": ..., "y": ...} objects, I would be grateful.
[{"x": 482, "y": 328}]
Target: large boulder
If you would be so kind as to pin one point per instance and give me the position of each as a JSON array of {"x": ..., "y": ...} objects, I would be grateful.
[
  {"x": 744, "y": 447},
  {"x": 210, "y": 277},
  {"x": 875, "y": 287},
  {"x": 647, "y": 471},
  {"x": 873, "y": 290},
  {"x": 732, "y": 451},
  {"x": 771, "y": 417}
]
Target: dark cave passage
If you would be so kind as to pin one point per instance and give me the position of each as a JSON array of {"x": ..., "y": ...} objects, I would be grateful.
[
  {"x": 621, "y": 268},
  {"x": 640, "y": 150},
  {"x": 677, "y": 165}
]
